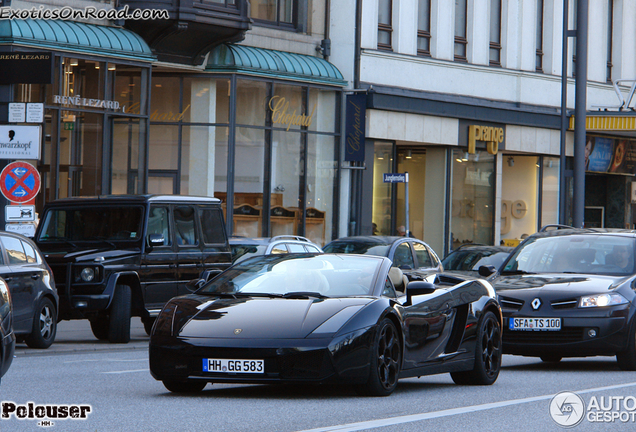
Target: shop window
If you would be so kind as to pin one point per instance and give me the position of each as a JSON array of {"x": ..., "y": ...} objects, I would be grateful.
[
  {"x": 519, "y": 196},
  {"x": 381, "y": 207},
  {"x": 288, "y": 162},
  {"x": 321, "y": 183},
  {"x": 251, "y": 102},
  {"x": 165, "y": 99},
  {"x": 412, "y": 161},
  {"x": 321, "y": 109},
  {"x": 472, "y": 198},
  {"x": 277, "y": 12},
  {"x": 164, "y": 147},
  {"x": 287, "y": 108},
  {"x": 550, "y": 191},
  {"x": 130, "y": 88},
  {"x": 128, "y": 134},
  {"x": 205, "y": 100}
]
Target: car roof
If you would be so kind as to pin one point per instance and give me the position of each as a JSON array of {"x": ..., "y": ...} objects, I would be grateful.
[
  {"x": 582, "y": 231},
  {"x": 107, "y": 199},
  {"x": 380, "y": 240},
  {"x": 489, "y": 248},
  {"x": 269, "y": 240}
]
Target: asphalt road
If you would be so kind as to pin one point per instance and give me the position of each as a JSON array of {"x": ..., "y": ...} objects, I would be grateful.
[{"x": 114, "y": 381}]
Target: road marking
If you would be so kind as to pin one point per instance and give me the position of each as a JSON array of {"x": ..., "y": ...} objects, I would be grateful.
[
  {"x": 373, "y": 424},
  {"x": 126, "y": 371}
]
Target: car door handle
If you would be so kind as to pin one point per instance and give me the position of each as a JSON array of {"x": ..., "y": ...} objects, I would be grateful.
[
  {"x": 35, "y": 276},
  {"x": 172, "y": 266},
  {"x": 8, "y": 279}
]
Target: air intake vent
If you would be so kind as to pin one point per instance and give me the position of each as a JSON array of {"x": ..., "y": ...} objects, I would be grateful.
[{"x": 510, "y": 303}]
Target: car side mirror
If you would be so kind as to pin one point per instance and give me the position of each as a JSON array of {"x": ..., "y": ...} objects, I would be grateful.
[
  {"x": 195, "y": 284},
  {"x": 417, "y": 288},
  {"x": 155, "y": 240},
  {"x": 486, "y": 270}
]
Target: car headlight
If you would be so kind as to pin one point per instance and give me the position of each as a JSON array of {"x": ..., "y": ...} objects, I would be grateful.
[
  {"x": 601, "y": 300},
  {"x": 87, "y": 274}
]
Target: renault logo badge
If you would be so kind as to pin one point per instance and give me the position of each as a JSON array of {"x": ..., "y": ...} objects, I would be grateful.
[
  {"x": 536, "y": 304},
  {"x": 237, "y": 331}
]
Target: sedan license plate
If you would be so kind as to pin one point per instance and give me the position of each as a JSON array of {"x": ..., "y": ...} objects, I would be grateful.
[
  {"x": 233, "y": 366},
  {"x": 535, "y": 324}
]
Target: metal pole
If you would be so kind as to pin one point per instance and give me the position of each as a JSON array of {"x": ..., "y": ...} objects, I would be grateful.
[
  {"x": 406, "y": 200},
  {"x": 580, "y": 108},
  {"x": 564, "y": 114}
]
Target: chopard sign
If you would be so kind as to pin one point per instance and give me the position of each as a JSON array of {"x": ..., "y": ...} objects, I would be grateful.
[
  {"x": 87, "y": 102},
  {"x": 279, "y": 107}
]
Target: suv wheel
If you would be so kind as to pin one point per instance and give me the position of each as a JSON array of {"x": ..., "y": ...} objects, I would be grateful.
[
  {"x": 99, "y": 327},
  {"x": 119, "y": 325},
  {"x": 44, "y": 325}
]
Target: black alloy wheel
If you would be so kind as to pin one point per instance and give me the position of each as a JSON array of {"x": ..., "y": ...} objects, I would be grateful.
[
  {"x": 487, "y": 354},
  {"x": 44, "y": 325},
  {"x": 386, "y": 361}
]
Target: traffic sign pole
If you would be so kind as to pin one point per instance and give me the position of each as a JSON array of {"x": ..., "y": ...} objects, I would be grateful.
[{"x": 406, "y": 200}]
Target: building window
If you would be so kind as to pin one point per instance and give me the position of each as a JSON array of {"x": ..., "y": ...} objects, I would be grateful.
[
  {"x": 539, "y": 37},
  {"x": 384, "y": 24},
  {"x": 424, "y": 28},
  {"x": 610, "y": 17},
  {"x": 460, "y": 30},
  {"x": 574, "y": 9},
  {"x": 278, "y": 12},
  {"x": 495, "y": 32}
]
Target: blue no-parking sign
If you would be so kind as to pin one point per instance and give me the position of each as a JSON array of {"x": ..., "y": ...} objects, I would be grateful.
[{"x": 19, "y": 182}]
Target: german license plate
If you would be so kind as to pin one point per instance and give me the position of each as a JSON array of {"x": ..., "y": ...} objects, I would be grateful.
[
  {"x": 535, "y": 324},
  {"x": 233, "y": 366}
]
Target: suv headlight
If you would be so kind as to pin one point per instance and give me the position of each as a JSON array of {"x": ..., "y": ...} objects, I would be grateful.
[
  {"x": 87, "y": 274},
  {"x": 601, "y": 300}
]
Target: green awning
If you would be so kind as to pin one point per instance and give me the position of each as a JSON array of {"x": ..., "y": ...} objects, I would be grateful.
[
  {"x": 273, "y": 64},
  {"x": 60, "y": 35}
]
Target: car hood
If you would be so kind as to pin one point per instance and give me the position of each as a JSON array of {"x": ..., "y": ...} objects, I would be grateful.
[
  {"x": 89, "y": 255},
  {"x": 557, "y": 284},
  {"x": 257, "y": 317}
]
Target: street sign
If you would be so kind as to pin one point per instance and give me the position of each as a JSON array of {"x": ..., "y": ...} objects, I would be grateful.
[
  {"x": 26, "y": 229},
  {"x": 20, "y": 142},
  {"x": 19, "y": 213},
  {"x": 19, "y": 182},
  {"x": 394, "y": 177},
  {"x": 16, "y": 112}
]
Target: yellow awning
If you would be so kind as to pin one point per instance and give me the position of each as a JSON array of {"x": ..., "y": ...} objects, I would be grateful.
[{"x": 607, "y": 123}]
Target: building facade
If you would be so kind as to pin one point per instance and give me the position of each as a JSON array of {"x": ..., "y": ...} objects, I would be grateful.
[{"x": 465, "y": 96}]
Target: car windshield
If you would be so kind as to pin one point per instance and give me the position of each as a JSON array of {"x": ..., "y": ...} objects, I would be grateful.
[
  {"x": 302, "y": 275},
  {"x": 473, "y": 259},
  {"x": 585, "y": 253},
  {"x": 92, "y": 223},
  {"x": 242, "y": 252},
  {"x": 358, "y": 247}
]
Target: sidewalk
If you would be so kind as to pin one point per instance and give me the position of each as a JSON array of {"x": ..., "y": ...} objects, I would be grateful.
[{"x": 76, "y": 337}]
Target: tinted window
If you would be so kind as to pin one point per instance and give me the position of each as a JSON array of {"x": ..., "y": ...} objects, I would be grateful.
[
  {"x": 184, "y": 225},
  {"x": 158, "y": 223},
  {"x": 312, "y": 249},
  {"x": 212, "y": 225},
  {"x": 403, "y": 256},
  {"x": 14, "y": 249},
  {"x": 279, "y": 249},
  {"x": 92, "y": 223},
  {"x": 374, "y": 248},
  {"x": 423, "y": 258}
]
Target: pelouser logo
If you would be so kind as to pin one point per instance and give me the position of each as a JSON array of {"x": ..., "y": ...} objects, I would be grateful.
[{"x": 567, "y": 409}]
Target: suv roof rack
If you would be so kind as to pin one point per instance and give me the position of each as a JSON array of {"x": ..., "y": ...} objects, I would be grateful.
[
  {"x": 556, "y": 226},
  {"x": 290, "y": 237}
]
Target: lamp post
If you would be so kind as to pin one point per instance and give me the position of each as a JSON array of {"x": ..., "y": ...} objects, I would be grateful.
[{"x": 580, "y": 108}]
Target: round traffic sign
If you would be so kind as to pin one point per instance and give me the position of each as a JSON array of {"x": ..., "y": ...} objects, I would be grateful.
[{"x": 19, "y": 182}]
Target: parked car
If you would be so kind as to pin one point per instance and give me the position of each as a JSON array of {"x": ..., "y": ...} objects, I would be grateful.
[
  {"x": 411, "y": 255},
  {"x": 119, "y": 256},
  {"x": 7, "y": 348},
  {"x": 469, "y": 258},
  {"x": 569, "y": 293},
  {"x": 34, "y": 295},
  {"x": 246, "y": 247},
  {"x": 326, "y": 318}
]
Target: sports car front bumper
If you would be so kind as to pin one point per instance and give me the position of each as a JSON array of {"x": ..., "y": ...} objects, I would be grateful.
[{"x": 328, "y": 360}]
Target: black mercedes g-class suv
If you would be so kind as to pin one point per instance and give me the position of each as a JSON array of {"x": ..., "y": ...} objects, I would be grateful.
[{"x": 119, "y": 256}]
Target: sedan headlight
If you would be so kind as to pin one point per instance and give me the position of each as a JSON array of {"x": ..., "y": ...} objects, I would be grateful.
[
  {"x": 601, "y": 300},
  {"x": 87, "y": 274}
]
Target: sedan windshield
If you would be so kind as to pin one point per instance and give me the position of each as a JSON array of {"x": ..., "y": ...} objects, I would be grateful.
[
  {"x": 296, "y": 276},
  {"x": 358, "y": 247},
  {"x": 587, "y": 253},
  {"x": 92, "y": 223},
  {"x": 473, "y": 259}
]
